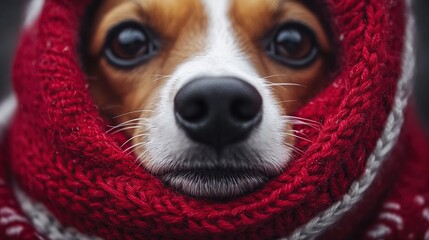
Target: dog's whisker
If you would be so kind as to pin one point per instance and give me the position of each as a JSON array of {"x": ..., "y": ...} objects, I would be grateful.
[
  {"x": 120, "y": 128},
  {"x": 126, "y": 128},
  {"x": 293, "y": 148},
  {"x": 160, "y": 77},
  {"x": 140, "y": 157},
  {"x": 298, "y": 132},
  {"x": 138, "y": 147},
  {"x": 285, "y": 84},
  {"x": 132, "y": 112},
  {"x": 129, "y": 125},
  {"x": 295, "y": 131},
  {"x": 133, "y": 147},
  {"x": 276, "y": 75},
  {"x": 297, "y": 122},
  {"x": 297, "y": 150},
  {"x": 296, "y": 136},
  {"x": 287, "y": 117},
  {"x": 289, "y": 145},
  {"x": 132, "y": 150},
  {"x": 137, "y": 136},
  {"x": 127, "y": 122}
]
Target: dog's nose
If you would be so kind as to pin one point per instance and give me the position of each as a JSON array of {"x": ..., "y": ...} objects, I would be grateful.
[{"x": 218, "y": 111}]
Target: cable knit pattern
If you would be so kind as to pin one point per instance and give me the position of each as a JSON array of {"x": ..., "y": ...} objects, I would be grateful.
[{"x": 61, "y": 156}]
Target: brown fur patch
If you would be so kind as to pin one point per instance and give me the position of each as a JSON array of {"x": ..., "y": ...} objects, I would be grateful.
[
  {"x": 178, "y": 24},
  {"x": 254, "y": 20}
]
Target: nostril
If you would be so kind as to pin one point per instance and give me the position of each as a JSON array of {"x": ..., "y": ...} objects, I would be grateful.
[
  {"x": 244, "y": 110},
  {"x": 193, "y": 111}
]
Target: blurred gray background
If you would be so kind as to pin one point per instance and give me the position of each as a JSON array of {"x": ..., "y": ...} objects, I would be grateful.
[
  {"x": 421, "y": 8},
  {"x": 10, "y": 19}
]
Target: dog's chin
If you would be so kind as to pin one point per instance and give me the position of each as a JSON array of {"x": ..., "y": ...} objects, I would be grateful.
[{"x": 215, "y": 184}]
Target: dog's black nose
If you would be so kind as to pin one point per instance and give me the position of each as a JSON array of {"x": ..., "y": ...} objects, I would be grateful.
[{"x": 218, "y": 111}]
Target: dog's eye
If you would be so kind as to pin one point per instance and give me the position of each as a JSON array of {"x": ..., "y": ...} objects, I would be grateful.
[
  {"x": 293, "y": 44},
  {"x": 129, "y": 44}
]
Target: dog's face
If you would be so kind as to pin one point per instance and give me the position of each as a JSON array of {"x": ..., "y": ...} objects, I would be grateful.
[{"x": 205, "y": 88}]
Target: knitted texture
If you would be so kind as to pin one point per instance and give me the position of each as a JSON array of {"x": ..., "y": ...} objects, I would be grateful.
[
  {"x": 14, "y": 224},
  {"x": 404, "y": 212},
  {"x": 61, "y": 155}
]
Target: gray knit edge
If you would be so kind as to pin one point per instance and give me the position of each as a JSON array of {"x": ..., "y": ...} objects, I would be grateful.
[
  {"x": 385, "y": 144},
  {"x": 7, "y": 109},
  {"x": 45, "y": 223}
]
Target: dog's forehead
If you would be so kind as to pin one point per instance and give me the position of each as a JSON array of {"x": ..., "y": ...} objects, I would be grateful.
[
  {"x": 229, "y": 8},
  {"x": 228, "y": 5},
  {"x": 255, "y": 10},
  {"x": 174, "y": 16}
]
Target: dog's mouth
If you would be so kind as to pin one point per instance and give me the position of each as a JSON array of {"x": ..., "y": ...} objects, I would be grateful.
[
  {"x": 215, "y": 183},
  {"x": 227, "y": 141}
]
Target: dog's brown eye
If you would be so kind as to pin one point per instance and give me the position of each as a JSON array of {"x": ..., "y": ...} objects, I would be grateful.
[
  {"x": 128, "y": 45},
  {"x": 294, "y": 44}
]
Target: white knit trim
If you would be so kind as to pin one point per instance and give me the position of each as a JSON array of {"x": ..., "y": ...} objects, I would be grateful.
[
  {"x": 34, "y": 8},
  {"x": 45, "y": 223},
  {"x": 385, "y": 144},
  {"x": 7, "y": 109}
]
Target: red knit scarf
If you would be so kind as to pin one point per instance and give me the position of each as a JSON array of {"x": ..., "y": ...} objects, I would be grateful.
[{"x": 348, "y": 182}]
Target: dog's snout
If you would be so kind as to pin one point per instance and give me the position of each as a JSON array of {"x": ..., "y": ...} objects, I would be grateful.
[{"x": 218, "y": 111}]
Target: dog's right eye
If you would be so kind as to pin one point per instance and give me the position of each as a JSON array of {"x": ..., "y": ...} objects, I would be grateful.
[
  {"x": 294, "y": 44},
  {"x": 129, "y": 44}
]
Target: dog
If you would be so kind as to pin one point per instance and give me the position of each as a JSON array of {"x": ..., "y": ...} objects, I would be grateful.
[{"x": 206, "y": 90}]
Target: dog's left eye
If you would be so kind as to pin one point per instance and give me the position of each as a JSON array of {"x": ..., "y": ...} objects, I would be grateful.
[
  {"x": 129, "y": 44},
  {"x": 293, "y": 44}
]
